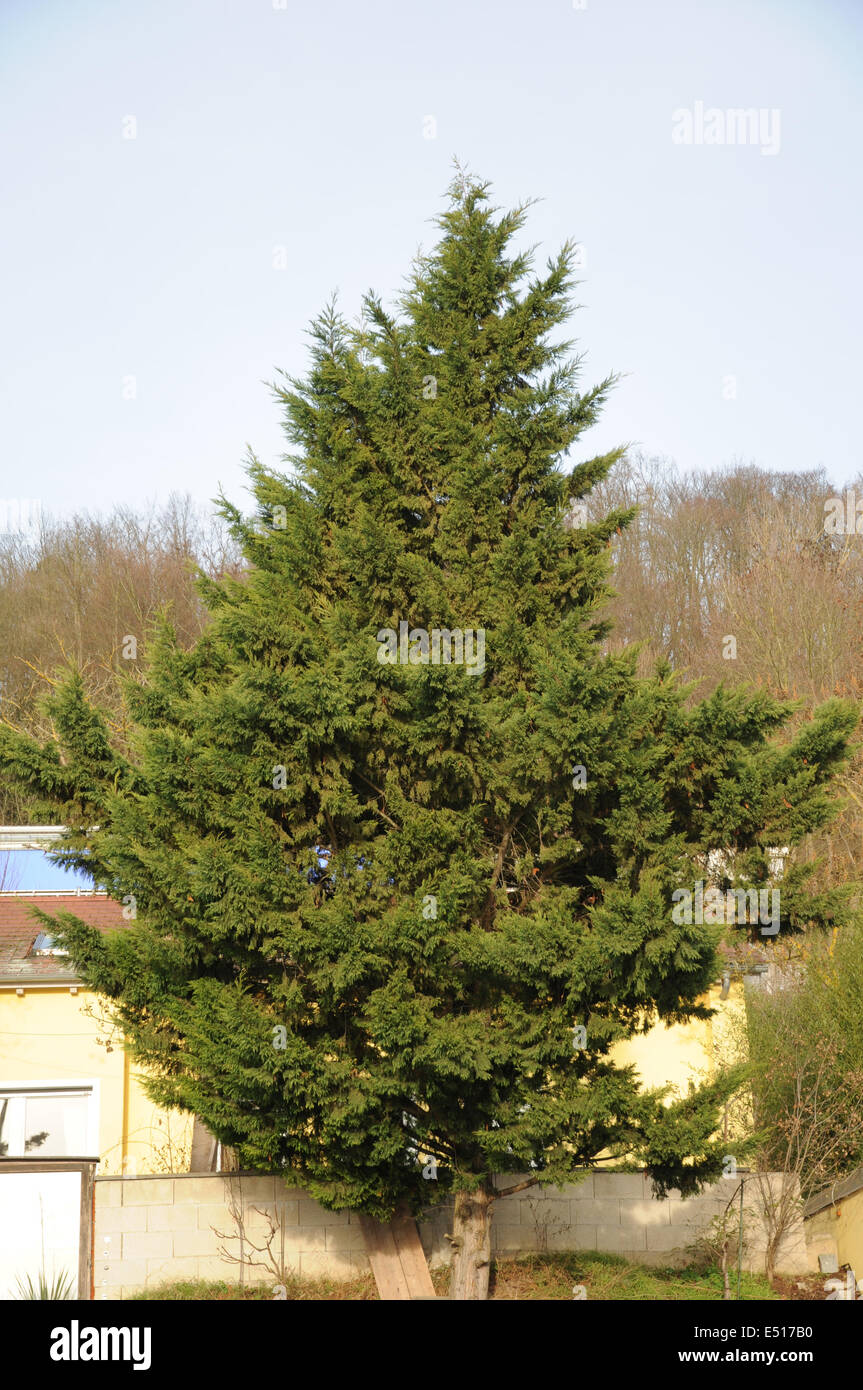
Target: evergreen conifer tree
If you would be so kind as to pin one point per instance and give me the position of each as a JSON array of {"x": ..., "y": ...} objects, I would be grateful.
[{"x": 398, "y": 838}]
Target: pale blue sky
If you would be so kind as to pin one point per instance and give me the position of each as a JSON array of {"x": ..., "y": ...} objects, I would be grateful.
[{"x": 303, "y": 127}]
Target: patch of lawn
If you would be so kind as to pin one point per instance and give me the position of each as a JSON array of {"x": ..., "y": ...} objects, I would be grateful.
[
  {"x": 612, "y": 1278},
  {"x": 296, "y": 1289},
  {"x": 552, "y": 1276}
]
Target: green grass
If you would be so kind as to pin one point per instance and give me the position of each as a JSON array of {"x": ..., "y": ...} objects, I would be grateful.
[
  {"x": 296, "y": 1289},
  {"x": 552, "y": 1276},
  {"x": 611, "y": 1278},
  {"x": 58, "y": 1287}
]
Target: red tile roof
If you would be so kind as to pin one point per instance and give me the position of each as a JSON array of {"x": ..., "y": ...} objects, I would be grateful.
[{"x": 19, "y": 929}]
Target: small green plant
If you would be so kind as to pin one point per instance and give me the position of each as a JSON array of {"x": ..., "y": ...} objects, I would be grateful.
[
  {"x": 722, "y": 1241},
  {"x": 59, "y": 1288}
]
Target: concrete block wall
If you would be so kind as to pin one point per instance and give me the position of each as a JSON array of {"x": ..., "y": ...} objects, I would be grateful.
[
  {"x": 617, "y": 1213},
  {"x": 150, "y": 1230}
]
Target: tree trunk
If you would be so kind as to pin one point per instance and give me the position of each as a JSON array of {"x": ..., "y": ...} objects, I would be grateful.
[
  {"x": 772, "y": 1248},
  {"x": 770, "y": 1262},
  {"x": 204, "y": 1149},
  {"x": 471, "y": 1243}
]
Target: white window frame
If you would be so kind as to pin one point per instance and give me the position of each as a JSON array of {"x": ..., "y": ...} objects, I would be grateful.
[{"x": 25, "y": 1090}]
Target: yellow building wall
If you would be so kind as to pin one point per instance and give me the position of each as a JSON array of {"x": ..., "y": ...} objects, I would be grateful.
[
  {"x": 688, "y": 1051},
  {"x": 842, "y": 1226},
  {"x": 849, "y": 1232},
  {"x": 47, "y": 1035}
]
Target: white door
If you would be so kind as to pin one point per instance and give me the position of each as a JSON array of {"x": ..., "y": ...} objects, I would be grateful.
[{"x": 40, "y": 1217}]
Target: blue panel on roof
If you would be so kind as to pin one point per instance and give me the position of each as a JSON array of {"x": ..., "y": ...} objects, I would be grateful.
[{"x": 29, "y": 870}]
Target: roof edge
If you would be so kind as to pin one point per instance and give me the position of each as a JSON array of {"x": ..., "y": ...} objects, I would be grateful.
[{"x": 829, "y": 1196}]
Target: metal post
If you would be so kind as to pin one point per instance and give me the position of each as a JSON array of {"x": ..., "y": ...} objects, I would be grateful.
[{"x": 740, "y": 1241}]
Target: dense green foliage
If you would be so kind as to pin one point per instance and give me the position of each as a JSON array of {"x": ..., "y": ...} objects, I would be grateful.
[{"x": 482, "y": 900}]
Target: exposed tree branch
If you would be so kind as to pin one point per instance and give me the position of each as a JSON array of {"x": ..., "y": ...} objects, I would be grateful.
[{"x": 516, "y": 1187}]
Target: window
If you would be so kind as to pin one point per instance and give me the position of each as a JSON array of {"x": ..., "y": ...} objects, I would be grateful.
[
  {"x": 44, "y": 946},
  {"x": 49, "y": 1122}
]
